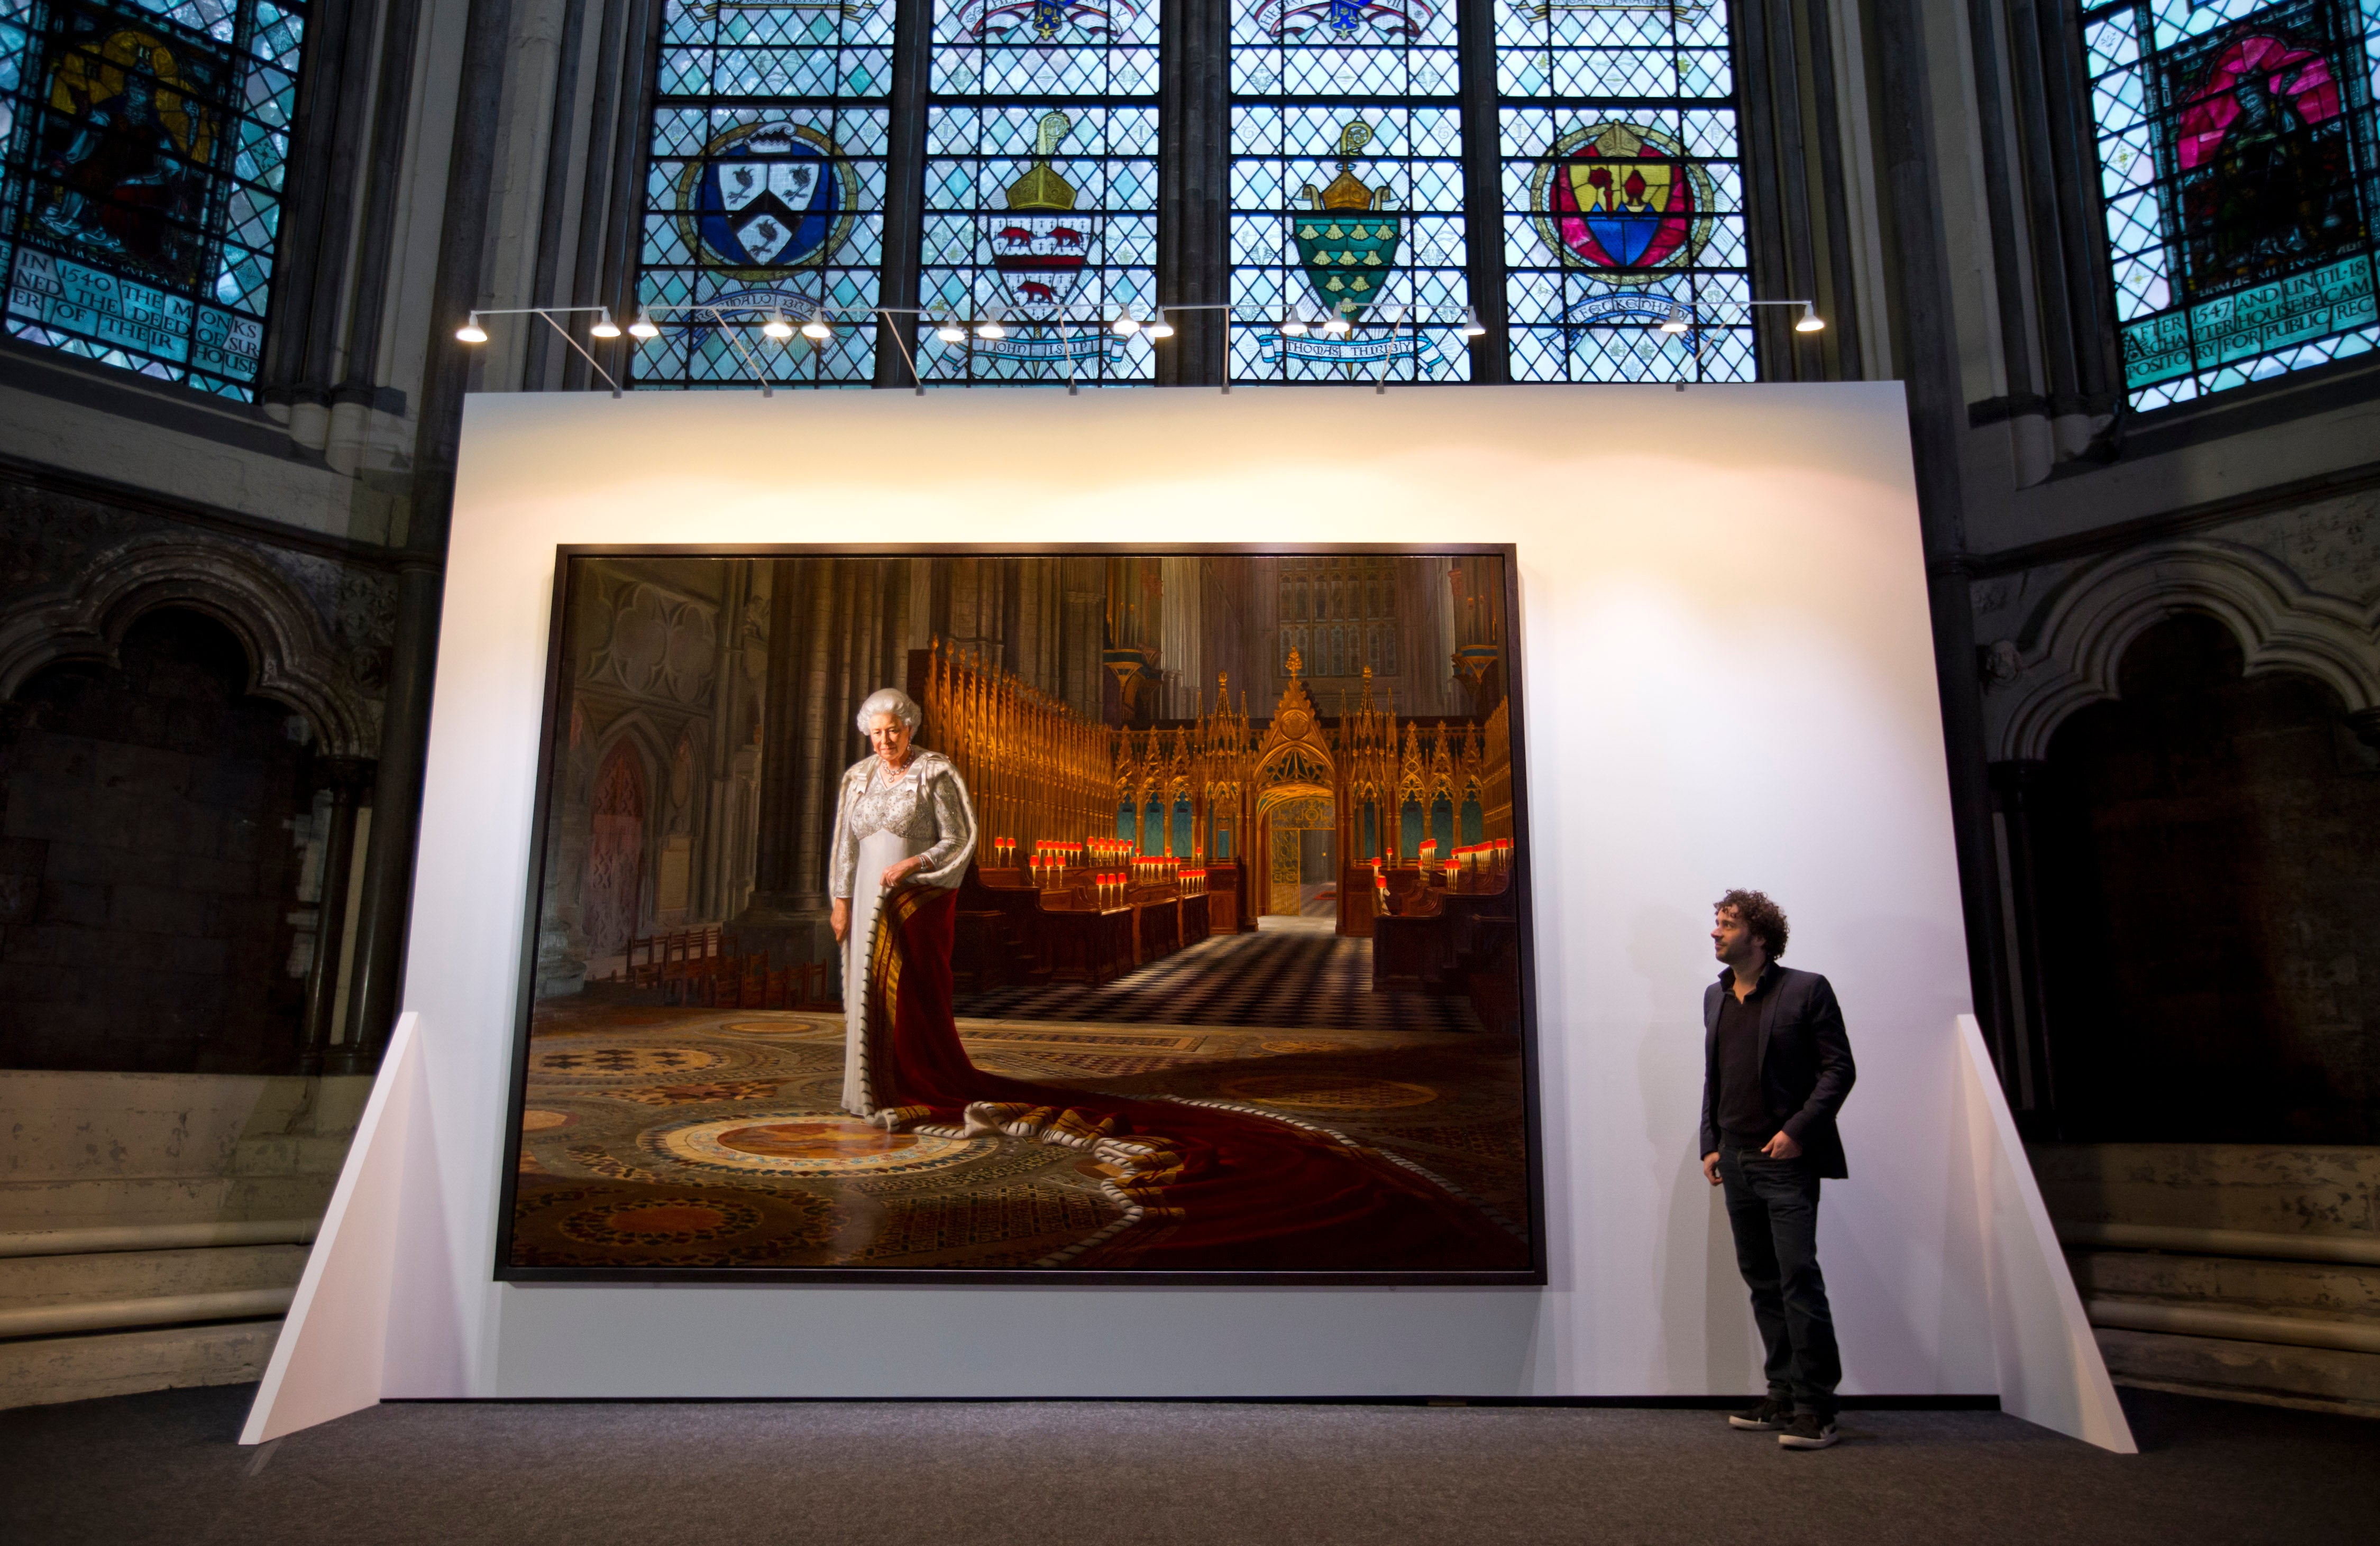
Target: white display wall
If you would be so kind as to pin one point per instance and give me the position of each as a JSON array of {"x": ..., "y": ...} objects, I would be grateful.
[{"x": 1729, "y": 680}]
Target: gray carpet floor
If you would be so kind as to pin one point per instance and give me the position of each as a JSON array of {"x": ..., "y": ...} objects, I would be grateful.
[{"x": 163, "y": 1468}]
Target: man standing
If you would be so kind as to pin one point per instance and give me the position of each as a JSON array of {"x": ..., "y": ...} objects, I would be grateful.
[{"x": 1776, "y": 1066}]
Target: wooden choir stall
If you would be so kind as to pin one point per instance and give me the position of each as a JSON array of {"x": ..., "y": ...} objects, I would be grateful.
[{"x": 1103, "y": 849}]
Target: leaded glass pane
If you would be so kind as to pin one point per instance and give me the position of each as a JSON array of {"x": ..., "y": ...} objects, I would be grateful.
[
  {"x": 1045, "y": 48},
  {"x": 1041, "y": 228},
  {"x": 1347, "y": 238},
  {"x": 1352, "y": 210},
  {"x": 765, "y": 194},
  {"x": 144, "y": 148},
  {"x": 1040, "y": 192},
  {"x": 2237, "y": 163},
  {"x": 1623, "y": 192}
]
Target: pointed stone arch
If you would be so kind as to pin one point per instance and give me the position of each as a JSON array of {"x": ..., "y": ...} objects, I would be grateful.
[
  {"x": 2073, "y": 644},
  {"x": 292, "y": 658}
]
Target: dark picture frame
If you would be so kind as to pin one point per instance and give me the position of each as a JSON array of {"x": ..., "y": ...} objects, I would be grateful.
[{"x": 554, "y": 733}]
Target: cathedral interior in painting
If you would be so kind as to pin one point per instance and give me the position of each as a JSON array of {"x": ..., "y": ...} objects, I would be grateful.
[{"x": 1244, "y": 836}]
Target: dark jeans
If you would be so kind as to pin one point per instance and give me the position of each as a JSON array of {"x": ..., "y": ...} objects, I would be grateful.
[{"x": 1772, "y": 1205}]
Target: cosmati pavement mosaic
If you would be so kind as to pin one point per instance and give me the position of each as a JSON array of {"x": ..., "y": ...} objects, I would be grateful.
[{"x": 658, "y": 1137}]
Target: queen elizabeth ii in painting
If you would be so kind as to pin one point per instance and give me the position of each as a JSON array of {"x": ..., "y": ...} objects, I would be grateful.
[{"x": 903, "y": 818}]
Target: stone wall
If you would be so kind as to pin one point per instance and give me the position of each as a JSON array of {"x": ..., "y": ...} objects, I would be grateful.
[
  {"x": 177, "y": 689},
  {"x": 2185, "y": 734}
]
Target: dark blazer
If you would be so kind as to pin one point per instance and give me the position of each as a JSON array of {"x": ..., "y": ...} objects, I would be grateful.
[{"x": 1805, "y": 1062}]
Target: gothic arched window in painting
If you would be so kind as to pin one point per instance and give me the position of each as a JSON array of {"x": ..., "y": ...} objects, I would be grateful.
[
  {"x": 1347, "y": 228},
  {"x": 1041, "y": 217},
  {"x": 2237, "y": 159},
  {"x": 144, "y": 154},
  {"x": 1623, "y": 192},
  {"x": 766, "y": 195}
]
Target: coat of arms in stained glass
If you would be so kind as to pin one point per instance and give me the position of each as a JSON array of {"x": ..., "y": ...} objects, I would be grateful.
[
  {"x": 1041, "y": 228},
  {"x": 1621, "y": 168},
  {"x": 2236, "y": 150},
  {"x": 766, "y": 197},
  {"x": 144, "y": 154},
  {"x": 1039, "y": 219},
  {"x": 1347, "y": 235},
  {"x": 1042, "y": 242},
  {"x": 1622, "y": 199}
]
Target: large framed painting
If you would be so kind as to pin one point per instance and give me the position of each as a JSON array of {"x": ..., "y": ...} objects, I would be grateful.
[{"x": 1076, "y": 914}]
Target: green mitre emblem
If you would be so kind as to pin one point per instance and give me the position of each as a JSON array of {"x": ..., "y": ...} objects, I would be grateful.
[{"x": 1347, "y": 241}]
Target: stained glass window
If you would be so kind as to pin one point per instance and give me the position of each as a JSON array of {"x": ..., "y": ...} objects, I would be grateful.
[
  {"x": 145, "y": 143},
  {"x": 2237, "y": 162},
  {"x": 1041, "y": 217},
  {"x": 765, "y": 194},
  {"x": 1622, "y": 192},
  {"x": 1347, "y": 192}
]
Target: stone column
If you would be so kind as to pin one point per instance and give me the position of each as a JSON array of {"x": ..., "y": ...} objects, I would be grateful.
[
  {"x": 2023, "y": 1053},
  {"x": 837, "y": 631},
  {"x": 347, "y": 778}
]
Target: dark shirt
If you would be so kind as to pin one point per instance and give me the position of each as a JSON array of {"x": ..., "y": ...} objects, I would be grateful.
[{"x": 1744, "y": 1119}]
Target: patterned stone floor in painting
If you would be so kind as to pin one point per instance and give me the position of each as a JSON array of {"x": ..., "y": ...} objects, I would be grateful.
[
  {"x": 1306, "y": 979},
  {"x": 707, "y": 1137}
]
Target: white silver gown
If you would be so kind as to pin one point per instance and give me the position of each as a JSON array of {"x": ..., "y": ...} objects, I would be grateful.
[{"x": 881, "y": 820}]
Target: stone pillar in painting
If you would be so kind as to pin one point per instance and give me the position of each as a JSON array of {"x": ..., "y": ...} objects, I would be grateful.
[{"x": 838, "y": 629}]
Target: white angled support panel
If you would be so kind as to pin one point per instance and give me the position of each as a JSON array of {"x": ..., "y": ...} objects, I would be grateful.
[
  {"x": 329, "y": 1359},
  {"x": 2050, "y": 1371}
]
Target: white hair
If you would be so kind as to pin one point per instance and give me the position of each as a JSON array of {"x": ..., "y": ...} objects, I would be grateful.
[{"x": 892, "y": 701}]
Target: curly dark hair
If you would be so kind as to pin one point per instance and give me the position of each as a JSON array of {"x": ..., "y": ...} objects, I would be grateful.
[{"x": 1763, "y": 917}]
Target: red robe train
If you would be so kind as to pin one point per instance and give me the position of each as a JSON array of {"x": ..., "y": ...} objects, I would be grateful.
[{"x": 1203, "y": 1188}]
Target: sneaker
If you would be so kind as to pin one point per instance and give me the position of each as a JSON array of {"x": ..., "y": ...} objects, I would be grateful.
[
  {"x": 1766, "y": 1417},
  {"x": 1808, "y": 1430}
]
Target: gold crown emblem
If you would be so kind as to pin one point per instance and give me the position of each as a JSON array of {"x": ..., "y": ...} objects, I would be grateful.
[
  {"x": 1347, "y": 191},
  {"x": 1041, "y": 187}
]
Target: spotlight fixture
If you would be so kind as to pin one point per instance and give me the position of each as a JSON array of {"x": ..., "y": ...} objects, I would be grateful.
[
  {"x": 604, "y": 327},
  {"x": 471, "y": 332},
  {"x": 1158, "y": 326},
  {"x": 1126, "y": 323},
  {"x": 1293, "y": 324},
  {"x": 817, "y": 330},
  {"x": 1680, "y": 319},
  {"x": 991, "y": 326},
  {"x": 950, "y": 330},
  {"x": 1471, "y": 324},
  {"x": 1810, "y": 322},
  {"x": 643, "y": 326},
  {"x": 1337, "y": 325},
  {"x": 776, "y": 327}
]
